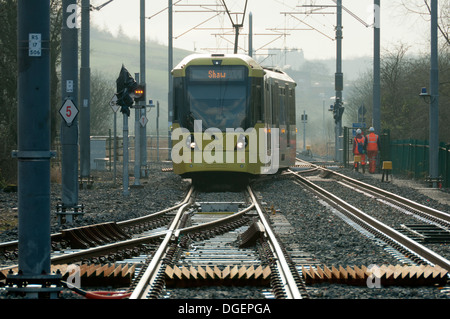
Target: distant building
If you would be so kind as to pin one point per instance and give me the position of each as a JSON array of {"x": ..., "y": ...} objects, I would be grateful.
[{"x": 284, "y": 58}]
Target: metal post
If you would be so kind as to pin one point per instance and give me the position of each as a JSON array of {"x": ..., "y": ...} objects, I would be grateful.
[
  {"x": 69, "y": 91},
  {"x": 126, "y": 191},
  {"x": 137, "y": 142},
  {"x": 33, "y": 53},
  {"x": 109, "y": 148},
  {"x": 376, "y": 69},
  {"x": 434, "y": 103},
  {"x": 304, "y": 131},
  {"x": 323, "y": 118},
  {"x": 339, "y": 80},
  {"x": 250, "y": 34},
  {"x": 85, "y": 96},
  {"x": 170, "y": 98},
  {"x": 115, "y": 147},
  {"x": 137, "y": 148},
  {"x": 143, "y": 111},
  {"x": 157, "y": 131}
]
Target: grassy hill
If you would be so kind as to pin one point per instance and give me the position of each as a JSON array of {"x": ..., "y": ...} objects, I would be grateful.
[{"x": 109, "y": 52}]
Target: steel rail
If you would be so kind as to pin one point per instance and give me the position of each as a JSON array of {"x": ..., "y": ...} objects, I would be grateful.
[
  {"x": 144, "y": 285},
  {"x": 130, "y": 243},
  {"x": 377, "y": 226},
  {"x": 143, "y": 219},
  {"x": 150, "y": 273},
  {"x": 215, "y": 222},
  {"x": 431, "y": 211},
  {"x": 10, "y": 245},
  {"x": 422, "y": 208},
  {"x": 97, "y": 251},
  {"x": 109, "y": 248},
  {"x": 289, "y": 282}
]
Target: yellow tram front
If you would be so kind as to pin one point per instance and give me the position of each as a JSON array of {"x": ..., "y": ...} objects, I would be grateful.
[{"x": 218, "y": 115}]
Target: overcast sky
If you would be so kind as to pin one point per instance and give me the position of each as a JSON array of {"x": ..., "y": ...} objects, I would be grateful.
[{"x": 318, "y": 42}]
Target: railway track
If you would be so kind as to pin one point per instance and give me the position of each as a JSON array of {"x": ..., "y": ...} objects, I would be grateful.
[
  {"x": 154, "y": 251},
  {"x": 219, "y": 260},
  {"x": 229, "y": 243},
  {"x": 106, "y": 239},
  {"x": 400, "y": 240}
]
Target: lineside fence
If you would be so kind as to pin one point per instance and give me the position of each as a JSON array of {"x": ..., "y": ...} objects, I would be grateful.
[
  {"x": 157, "y": 149},
  {"x": 409, "y": 157}
]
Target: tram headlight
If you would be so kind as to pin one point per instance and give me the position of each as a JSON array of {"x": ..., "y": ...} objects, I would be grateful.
[
  {"x": 241, "y": 143},
  {"x": 190, "y": 142}
]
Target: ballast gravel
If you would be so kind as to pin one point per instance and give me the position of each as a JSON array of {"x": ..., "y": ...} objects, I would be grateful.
[{"x": 319, "y": 231}]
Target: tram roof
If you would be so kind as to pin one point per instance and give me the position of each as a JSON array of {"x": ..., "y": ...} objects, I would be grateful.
[{"x": 226, "y": 59}]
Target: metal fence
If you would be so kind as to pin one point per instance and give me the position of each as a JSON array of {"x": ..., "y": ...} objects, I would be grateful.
[
  {"x": 157, "y": 148},
  {"x": 410, "y": 158}
]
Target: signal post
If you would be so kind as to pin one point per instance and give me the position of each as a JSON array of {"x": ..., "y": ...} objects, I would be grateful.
[{"x": 128, "y": 92}]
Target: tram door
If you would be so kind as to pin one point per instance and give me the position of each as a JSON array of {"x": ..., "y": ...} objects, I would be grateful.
[{"x": 282, "y": 127}]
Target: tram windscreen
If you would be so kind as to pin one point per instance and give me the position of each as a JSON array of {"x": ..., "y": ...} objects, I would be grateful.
[{"x": 218, "y": 96}]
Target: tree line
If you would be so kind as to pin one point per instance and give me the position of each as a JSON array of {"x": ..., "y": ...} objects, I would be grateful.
[{"x": 402, "y": 77}]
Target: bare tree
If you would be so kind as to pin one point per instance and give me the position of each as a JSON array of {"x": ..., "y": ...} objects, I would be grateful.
[
  {"x": 402, "y": 111},
  {"x": 423, "y": 8},
  {"x": 102, "y": 91}
]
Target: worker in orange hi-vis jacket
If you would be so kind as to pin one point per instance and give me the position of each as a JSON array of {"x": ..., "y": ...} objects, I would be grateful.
[
  {"x": 373, "y": 146},
  {"x": 359, "y": 148}
]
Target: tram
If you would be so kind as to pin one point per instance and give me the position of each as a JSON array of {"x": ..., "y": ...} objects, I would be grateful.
[{"x": 231, "y": 115}]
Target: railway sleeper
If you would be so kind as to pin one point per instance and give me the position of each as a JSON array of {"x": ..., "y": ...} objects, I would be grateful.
[
  {"x": 213, "y": 276},
  {"x": 425, "y": 233},
  {"x": 422, "y": 275},
  {"x": 144, "y": 226},
  {"x": 93, "y": 235},
  {"x": 218, "y": 230},
  {"x": 11, "y": 254}
]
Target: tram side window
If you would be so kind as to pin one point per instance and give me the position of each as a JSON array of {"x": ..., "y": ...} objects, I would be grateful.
[
  {"x": 256, "y": 106},
  {"x": 282, "y": 106},
  {"x": 268, "y": 104},
  {"x": 179, "y": 108},
  {"x": 292, "y": 106},
  {"x": 275, "y": 104}
]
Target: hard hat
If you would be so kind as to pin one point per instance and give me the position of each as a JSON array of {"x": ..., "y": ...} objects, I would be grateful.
[
  {"x": 358, "y": 131},
  {"x": 371, "y": 129}
]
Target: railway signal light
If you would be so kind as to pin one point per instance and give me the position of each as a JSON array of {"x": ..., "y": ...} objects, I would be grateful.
[
  {"x": 126, "y": 86},
  {"x": 338, "y": 111},
  {"x": 139, "y": 93},
  {"x": 125, "y": 101}
]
